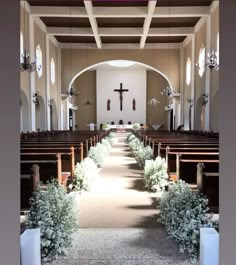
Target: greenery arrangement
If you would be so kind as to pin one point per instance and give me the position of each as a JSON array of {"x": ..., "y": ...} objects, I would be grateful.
[
  {"x": 54, "y": 212},
  {"x": 85, "y": 173},
  {"x": 184, "y": 212},
  {"x": 155, "y": 174}
]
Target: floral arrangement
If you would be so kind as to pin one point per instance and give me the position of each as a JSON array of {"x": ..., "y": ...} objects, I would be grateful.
[
  {"x": 54, "y": 212},
  {"x": 136, "y": 126},
  {"x": 130, "y": 137},
  {"x": 85, "y": 173},
  {"x": 107, "y": 144},
  {"x": 105, "y": 126},
  {"x": 155, "y": 174},
  {"x": 142, "y": 154},
  {"x": 184, "y": 212}
]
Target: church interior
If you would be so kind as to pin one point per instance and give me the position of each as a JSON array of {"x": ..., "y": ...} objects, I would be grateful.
[{"x": 93, "y": 70}]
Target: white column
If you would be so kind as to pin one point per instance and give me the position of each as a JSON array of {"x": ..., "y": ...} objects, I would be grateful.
[
  {"x": 208, "y": 73},
  {"x": 182, "y": 84},
  {"x": 59, "y": 101},
  {"x": 193, "y": 80},
  {"x": 47, "y": 98},
  {"x": 32, "y": 75}
]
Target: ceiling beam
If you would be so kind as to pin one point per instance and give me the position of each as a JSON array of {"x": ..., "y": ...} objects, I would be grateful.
[
  {"x": 181, "y": 31},
  {"x": 57, "y": 31},
  {"x": 147, "y": 22},
  {"x": 66, "y": 31},
  {"x": 93, "y": 22},
  {"x": 120, "y": 46},
  {"x": 58, "y": 11},
  {"x": 182, "y": 11},
  {"x": 110, "y": 12}
]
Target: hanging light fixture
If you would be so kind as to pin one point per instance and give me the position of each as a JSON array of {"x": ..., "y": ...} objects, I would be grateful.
[
  {"x": 168, "y": 91},
  {"x": 212, "y": 60},
  {"x": 153, "y": 101},
  {"x": 25, "y": 63},
  {"x": 71, "y": 92}
]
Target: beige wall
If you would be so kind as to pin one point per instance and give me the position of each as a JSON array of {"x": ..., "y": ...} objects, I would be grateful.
[
  {"x": 214, "y": 95},
  {"x": 187, "y": 88},
  {"x": 75, "y": 60},
  {"x": 86, "y": 85},
  {"x": 155, "y": 84}
]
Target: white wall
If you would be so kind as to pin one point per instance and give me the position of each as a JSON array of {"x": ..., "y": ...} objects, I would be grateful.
[{"x": 135, "y": 82}]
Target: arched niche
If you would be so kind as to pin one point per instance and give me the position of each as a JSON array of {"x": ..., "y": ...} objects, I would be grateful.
[
  {"x": 40, "y": 117},
  {"x": 200, "y": 114},
  {"x": 24, "y": 112},
  {"x": 53, "y": 116}
]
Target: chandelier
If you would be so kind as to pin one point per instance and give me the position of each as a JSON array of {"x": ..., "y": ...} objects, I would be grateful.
[
  {"x": 168, "y": 91},
  {"x": 153, "y": 102},
  {"x": 212, "y": 61},
  {"x": 25, "y": 63}
]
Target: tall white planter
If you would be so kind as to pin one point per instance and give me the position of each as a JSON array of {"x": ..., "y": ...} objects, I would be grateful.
[
  {"x": 30, "y": 247},
  {"x": 209, "y": 246}
]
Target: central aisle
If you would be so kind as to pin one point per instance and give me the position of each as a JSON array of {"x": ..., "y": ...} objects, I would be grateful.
[{"x": 118, "y": 198}]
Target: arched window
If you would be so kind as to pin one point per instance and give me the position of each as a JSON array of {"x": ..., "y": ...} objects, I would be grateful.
[
  {"x": 52, "y": 71},
  {"x": 218, "y": 48},
  {"x": 188, "y": 72},
  {"x": 202, "y": 61},
  {"x": 39, "y": 61},
  {"x": 21, "y": 46}
]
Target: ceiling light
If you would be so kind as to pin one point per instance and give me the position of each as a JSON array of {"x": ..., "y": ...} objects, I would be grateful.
[{"x": 121, "y": 63}]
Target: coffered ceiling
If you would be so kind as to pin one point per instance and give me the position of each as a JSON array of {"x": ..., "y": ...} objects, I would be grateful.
[{"x": 110, "y": 24}]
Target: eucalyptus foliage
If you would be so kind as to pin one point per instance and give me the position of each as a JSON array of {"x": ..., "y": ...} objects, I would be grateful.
[
  {"x": 54, "y": 212},
  {"x": 184, "y": 212},
  {"x": 155, "y": 174}
]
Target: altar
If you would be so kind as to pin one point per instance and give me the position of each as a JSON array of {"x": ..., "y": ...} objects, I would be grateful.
[{"x": 121, "y": 126}]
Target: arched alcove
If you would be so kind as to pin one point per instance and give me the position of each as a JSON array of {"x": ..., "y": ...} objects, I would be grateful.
[
  {"x": 53, "y": 116},
  {"x": 40, "y": 117},
  {"x": 215, "y": 112},
  {"x": 200, "y": 114},
  {"x": 24, "y": 112}
]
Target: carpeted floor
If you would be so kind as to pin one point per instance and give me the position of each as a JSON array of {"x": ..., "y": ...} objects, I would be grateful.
[
  {"x": 118, "y": 220},
  {"x": 118, "y": 198}
]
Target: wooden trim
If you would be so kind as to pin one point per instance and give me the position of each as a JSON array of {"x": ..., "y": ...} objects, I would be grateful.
[
  {"x": 81, "y": 151},
  {"x": 59, "y": 168}
]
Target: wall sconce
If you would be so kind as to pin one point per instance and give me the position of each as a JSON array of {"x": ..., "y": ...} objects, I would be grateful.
[
  {"x": 50, "y": 102},
  {"x": 205, "y": 98},
  {"x": 35, "y": 98}
]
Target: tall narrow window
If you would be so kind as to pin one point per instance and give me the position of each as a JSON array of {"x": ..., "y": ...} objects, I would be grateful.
[
  {"x": 39, "y": 61},
  {"x": 52, "y": 71},
  {"x": 202, "y": 61},
  {"x": 21, "y": 46},
  {"x": 188, "y": 72}
]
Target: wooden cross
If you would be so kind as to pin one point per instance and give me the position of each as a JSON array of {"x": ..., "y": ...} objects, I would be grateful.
[{"x": 121, "y": 90}]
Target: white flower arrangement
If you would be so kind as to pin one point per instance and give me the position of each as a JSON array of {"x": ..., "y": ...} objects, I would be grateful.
[
  {"x": 54, "y": 212},
  {"x": 130, "y": 137},
  {"x": 155, "y": 174},
  {"x": 184, "y": 212},
  {"x": 142, "y": 154},
  {"x": 85, "y": 173},
  {"x": 107, "y": 144},
  {"x": 136, "y": 126}
]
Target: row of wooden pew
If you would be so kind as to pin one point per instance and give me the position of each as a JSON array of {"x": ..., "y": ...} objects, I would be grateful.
[
  {"x": 53, "y": 156},
  {"x": 191, "y": 157}
]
